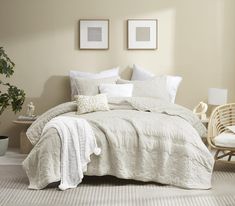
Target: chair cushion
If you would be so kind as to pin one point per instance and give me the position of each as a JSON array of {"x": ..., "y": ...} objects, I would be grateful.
[{"x": 225, "y": 140}]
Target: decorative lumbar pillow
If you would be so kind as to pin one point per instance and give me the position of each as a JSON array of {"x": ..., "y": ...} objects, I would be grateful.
[
  {"x": 173, "y": 82},
  {"x": 86, "y": 104},
  {"x": 79, "y": 74},
  {"x": 90, "y": 87},
  {"x": 155, "y": 87},
  {"x": 116, "y": 90}
]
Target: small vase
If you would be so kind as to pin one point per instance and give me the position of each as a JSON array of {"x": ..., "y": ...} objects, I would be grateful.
[{"x": 3, "y": 145}]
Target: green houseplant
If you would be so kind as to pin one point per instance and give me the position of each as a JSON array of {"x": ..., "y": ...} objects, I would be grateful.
[{"x": 10, "y": 95}]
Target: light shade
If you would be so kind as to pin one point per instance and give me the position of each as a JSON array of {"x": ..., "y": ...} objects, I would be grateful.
[{"x": 217, "y": 96}]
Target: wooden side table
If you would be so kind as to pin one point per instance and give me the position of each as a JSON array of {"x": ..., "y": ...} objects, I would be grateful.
[{"x": 25, "y": 145}]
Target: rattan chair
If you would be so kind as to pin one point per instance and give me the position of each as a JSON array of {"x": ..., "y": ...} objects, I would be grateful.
[{"x": 220, "y": 138}]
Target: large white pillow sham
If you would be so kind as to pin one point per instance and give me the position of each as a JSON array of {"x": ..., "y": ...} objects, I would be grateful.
[
  {"x": 90, "y": 87},
  {"x": 139, "y": 73},
  {"x": 103, "y": 74},
  {"x": 116, "y": 90},
  {"x": 86, "y": 104},
  {"x": 173, "y": 82},
  {"x": 154, "y": 87}
]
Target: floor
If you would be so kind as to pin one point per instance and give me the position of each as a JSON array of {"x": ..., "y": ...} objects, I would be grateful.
[
  {"x": 12, "y": 157},
  {"x": 112, "y": 191}
]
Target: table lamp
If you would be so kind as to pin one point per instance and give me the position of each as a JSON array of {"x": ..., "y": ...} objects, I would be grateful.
[{"x": 217, "y": 96}]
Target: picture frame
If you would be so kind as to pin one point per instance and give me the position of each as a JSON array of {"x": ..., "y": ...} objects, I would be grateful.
[
  {"x": 94, "y": 34},
  {"x": 142, "y": 34}
]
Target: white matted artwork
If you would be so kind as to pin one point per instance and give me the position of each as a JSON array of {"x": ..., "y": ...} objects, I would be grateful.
[
  {"x": 142, "y": 34},
  {"x": 94, "y": 34}
]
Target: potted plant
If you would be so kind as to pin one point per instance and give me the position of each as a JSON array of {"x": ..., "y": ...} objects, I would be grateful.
[{"x": 10, "y": 95}]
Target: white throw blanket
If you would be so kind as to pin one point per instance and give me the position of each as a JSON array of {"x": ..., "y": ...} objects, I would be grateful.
[{"x": 77, "y": 144}]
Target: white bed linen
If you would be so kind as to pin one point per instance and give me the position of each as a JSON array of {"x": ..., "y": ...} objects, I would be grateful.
[{"x": 141, "y": 138}]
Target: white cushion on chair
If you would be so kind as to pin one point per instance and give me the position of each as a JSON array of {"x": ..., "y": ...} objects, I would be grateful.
[
  {"x": 225, "y": 140},
  {"x": 231, "y": 128}
]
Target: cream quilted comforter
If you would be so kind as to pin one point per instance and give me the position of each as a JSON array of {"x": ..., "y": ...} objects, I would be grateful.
[{"x": 140, "y": 138}]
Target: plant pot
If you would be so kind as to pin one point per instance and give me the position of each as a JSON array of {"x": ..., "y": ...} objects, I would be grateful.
[{"x": 3, "y": 145}]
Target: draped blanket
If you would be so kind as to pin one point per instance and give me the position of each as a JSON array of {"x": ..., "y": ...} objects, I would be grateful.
[
  {"x": 144, "y": 139},
  {"x": 77, "y": 144}
]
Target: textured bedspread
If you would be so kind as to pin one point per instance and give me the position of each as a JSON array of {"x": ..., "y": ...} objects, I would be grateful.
[{"x": 140, "y": 138}]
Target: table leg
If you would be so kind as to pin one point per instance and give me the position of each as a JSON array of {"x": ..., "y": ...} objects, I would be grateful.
[{"x": 25, "y": 145}]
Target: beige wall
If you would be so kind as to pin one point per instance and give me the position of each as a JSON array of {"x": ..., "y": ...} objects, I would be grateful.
[{"x": 196, "y": 41}]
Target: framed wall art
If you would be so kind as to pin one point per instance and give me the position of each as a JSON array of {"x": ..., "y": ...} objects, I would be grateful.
[
  {"x": 142, "y": 33},
  {"x": 94, "y": 34}
]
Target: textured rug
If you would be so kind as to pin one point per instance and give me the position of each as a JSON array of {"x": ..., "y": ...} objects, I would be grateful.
[{"x": 112, "y": 191}]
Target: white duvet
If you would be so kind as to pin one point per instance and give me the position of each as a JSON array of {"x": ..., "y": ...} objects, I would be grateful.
[{"x": 140, "y": 138}]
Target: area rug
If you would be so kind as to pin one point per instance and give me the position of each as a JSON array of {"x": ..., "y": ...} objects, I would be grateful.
[{"x": 97, "y": 191}]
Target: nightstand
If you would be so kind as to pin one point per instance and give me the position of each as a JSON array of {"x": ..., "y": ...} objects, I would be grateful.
[{"x": 25, "y": 145}]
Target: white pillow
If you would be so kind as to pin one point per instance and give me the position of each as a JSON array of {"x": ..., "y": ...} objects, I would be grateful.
[
  {"x": 173, "y": 82},
  {"x": 103, "y": 74},
  {"x": 225, "y": 140},
  {"x": 86, "y": 104},
  {"x": 116, "y": 90}
]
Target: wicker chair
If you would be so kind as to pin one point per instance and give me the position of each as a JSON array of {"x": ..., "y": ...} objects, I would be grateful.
[{"x": 219, "y": 136}]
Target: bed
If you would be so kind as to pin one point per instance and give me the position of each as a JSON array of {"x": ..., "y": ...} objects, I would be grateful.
[{"x": 141, "y": 138}]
